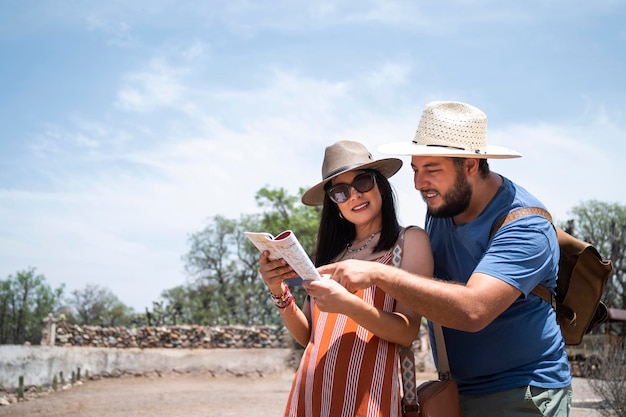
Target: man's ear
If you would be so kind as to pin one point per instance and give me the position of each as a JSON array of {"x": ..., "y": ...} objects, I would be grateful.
[{"x": 471, "y": 166}]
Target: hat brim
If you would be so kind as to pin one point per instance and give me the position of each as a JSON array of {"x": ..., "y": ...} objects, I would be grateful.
[
  {"x": 387, "y": 167},
  {"x": 412, "y": 148}
]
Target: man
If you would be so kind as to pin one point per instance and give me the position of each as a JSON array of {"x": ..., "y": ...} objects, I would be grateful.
[{"x": 504, "y": 344}]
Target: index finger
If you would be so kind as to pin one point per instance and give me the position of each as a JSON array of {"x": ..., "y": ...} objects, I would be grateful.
[
  {"x": 328, "y": 269},
  {"x": 313, "y": 285}
]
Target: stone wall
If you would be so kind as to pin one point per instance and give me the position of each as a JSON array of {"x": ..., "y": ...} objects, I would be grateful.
[
  {"x": 194, "y": 337},
  {"x": 116, "y": 351},
  {"x": 187, "y": 337}
]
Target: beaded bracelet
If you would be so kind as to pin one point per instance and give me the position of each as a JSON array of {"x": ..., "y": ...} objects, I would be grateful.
[{"x": 283, "y": 300}]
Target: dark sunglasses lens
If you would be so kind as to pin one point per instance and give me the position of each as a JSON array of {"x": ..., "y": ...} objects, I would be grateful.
[
  {"x": 339, "y": 193},
  {"x": 363, "y": 182}
]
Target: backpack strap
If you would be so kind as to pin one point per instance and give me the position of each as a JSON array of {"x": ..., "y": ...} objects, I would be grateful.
[
  {"x": 540, "y": 290},
  {"x": 518, "y": 214}
]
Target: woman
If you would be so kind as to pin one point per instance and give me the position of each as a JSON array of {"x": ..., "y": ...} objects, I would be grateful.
[{"x": 350, "y": 364}]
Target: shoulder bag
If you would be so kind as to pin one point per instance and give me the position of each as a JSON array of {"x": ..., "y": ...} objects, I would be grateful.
[{"x": 436, "y": 398}]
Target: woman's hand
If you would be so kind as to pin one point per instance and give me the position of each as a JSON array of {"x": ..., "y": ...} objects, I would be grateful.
[{"x": 275, "y": 272}]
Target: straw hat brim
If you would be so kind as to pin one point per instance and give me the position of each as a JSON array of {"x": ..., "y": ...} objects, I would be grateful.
[
  {"x": 387, "y": 167},
  {"x": 412, "y": 148}
]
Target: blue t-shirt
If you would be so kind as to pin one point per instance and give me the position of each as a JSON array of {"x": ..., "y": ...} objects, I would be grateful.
[{"x": 523, "y": 346}]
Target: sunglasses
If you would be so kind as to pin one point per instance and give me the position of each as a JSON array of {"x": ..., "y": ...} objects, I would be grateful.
[{"x": 363, "y": 183}]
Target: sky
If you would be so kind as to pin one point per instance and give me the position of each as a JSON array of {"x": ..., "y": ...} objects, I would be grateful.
[{"x": 125, "y": 126}]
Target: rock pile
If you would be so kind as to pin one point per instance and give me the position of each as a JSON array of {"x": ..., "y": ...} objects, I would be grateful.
[{"x": 188, "y": 337}]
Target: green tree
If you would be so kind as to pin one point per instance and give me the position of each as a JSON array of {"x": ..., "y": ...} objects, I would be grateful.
[
  {"x": 225, "y": 286},
  {"x": 162, "y": 314},
  {"x": 604, "y": 225},
  {"x": 98, "y": 306},
  {"x": 217, "y": 278},
  {"x": 285, "y": 212},
  {"x": 25, "y": 300}
]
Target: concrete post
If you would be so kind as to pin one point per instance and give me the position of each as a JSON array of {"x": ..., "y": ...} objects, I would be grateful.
[{"x": 49, "y": 331}]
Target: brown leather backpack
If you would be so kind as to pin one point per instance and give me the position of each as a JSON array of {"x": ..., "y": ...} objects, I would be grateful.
[{"x": 583, "y": 275}]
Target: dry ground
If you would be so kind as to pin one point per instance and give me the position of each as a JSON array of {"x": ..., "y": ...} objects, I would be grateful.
[{"x": 188, "y": 395}]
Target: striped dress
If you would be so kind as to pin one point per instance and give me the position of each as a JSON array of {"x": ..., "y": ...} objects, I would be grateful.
[{"x": 346, "y": 371}]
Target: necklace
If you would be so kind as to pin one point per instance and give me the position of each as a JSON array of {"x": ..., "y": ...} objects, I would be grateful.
[{"x": 363, "y": 246}]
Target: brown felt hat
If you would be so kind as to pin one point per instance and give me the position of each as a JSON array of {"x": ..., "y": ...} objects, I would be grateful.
[{"x": 345, "y": 156}]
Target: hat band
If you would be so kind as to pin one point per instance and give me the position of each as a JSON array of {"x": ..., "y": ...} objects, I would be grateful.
[
  {"x": 342, "y": 169},
  {"x": 477, "y": 151}
]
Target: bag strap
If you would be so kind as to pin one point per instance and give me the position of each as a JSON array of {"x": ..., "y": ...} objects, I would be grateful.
[
  {"x": 409, "y": 381},
  {"x": 410, "y": 405},
  {"x": 518, "y": 214},
  {"x": 442, "y": 352},
  {"x": 540, "y": 290}
]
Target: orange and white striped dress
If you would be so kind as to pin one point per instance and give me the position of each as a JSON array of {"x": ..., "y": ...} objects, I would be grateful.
[{"x": 346, "y": 371}]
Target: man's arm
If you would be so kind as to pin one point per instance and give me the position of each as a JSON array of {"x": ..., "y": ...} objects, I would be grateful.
[{"x": 469, "y": 307}]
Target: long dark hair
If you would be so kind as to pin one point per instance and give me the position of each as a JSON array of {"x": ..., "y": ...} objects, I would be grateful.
[{"x": 336, "y": 232}]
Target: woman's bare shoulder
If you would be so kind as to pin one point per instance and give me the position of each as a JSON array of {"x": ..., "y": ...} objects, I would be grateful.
[{"x": 415, "y": 232}]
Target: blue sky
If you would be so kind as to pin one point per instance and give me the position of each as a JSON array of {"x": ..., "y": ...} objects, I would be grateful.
[{"x": 124, "y": 126}]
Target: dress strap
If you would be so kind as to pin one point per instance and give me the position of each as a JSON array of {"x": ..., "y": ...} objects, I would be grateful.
[{"x": 399, "y": 247}]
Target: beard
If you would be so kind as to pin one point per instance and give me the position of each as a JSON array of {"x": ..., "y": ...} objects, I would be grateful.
[{"x": 455, "y": 201}]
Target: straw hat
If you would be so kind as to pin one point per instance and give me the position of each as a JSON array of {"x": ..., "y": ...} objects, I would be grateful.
[
  {"x": 450, "y": 128},
  {"x": 345, "y": 156}
]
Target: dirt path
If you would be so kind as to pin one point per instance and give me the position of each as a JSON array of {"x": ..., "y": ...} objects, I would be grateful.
[
  {"x": 188, "y": 395},
  {"x": 171, "y": 395}
]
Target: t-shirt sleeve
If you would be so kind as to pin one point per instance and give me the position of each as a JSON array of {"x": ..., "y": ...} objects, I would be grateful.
[{"x": 522, "y": 254}]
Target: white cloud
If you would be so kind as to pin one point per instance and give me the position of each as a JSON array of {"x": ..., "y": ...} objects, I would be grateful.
[
  {"x": 158, "y": 86},
  {"x": 197, "y": 49},
  {"x": 565, "y": 165},
  {"x": 118, "y": 32},
  {"x": 388, "y": 74}
]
